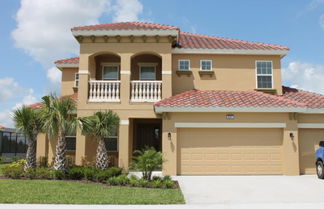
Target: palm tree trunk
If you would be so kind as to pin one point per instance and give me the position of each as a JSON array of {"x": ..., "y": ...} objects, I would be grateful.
[
  {"x": 31, "y": 155},
  {"x": 102, "y": 161},
  {"x": 60, "y": 158}
]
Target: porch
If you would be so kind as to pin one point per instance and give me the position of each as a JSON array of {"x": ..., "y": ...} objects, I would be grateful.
[{"x": 145, "y": 83}]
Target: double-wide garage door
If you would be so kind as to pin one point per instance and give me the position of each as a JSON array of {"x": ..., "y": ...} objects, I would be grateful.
[{"x": 229, "y": 151}]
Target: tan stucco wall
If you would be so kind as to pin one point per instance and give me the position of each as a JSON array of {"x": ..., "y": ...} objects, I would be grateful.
[
  {"x": 68, "y": 78},
  {"x": 231, "y": 72}
]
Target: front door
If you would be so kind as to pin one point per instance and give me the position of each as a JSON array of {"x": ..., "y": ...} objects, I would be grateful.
[{"x": 148, "y": 135}]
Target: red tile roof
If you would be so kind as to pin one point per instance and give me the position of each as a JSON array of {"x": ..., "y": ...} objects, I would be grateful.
[
  {"x": 127, "y": 26},
  {"x": 224, "y": 98},
  {"x": 312, "y": 100},
  {"x": 2, "y": 127},
  {"x": 38, "y": 105},
  {"x": 73, "y": 60},
  {"x": 197, "y": 41}
]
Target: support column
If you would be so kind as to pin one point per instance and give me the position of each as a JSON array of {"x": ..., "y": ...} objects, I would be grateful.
[
  {"x": 42, "y": 147},
  {"x": 290, "y": 149},
  {"x": 80, "y": 147},
  {"x": 166, "y": 75},
  {"x": 169, "y": 146},
  {"x": 123, "y": 146},
  {"x": 125, "y": 73}
]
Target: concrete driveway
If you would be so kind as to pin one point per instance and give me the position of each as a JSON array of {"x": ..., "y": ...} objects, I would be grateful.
[{"x": 230, "y": 190}]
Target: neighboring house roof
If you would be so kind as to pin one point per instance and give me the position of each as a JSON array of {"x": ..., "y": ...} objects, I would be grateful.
[
  {"x": 2, "y": 127},
  {"x": 198, "y": 41},
  {"x": 312, "y": 100},
  {"x": 127, "y": 26},
  {"x": 73, "y": 60},
  {"x": 38, "y": 105}
]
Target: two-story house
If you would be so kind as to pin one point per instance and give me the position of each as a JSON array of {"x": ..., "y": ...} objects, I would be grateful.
[{"x": 212, "y": 105}]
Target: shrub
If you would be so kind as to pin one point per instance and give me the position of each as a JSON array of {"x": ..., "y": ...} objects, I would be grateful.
[
  {"x": 168, "y": 184},
  {"x": 143, "y": 182},
  {"x": 58, "y": 174},
  {"x": 102, "y": 176},
  {"x": 30, "y": 173},
  {"x": 118, "y": 180},
  {"x": 156, "y": 178},
  {"x": 157, "y": 183},
  {"x": 147, "y": 161},
  {"x": 13, "y": 172},
  {"x": 43, "y": 173},
  {"x": 167, "y": 178},
  {"x": 89, "y": 173},
  {"x": 76, "y": 173},
  {"x": 133, "y": 180}
]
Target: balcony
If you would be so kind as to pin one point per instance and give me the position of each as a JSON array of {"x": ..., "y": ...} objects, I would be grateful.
[
  {"x": 104, "y": 91},
  {"x": 146, "y": 91}
]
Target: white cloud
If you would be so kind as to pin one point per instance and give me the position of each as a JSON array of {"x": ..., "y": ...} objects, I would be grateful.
[
  {"x": 5, "y": 119},
  {"x": 43, "y": 27},
  {"x": 8, "y": 88},
  {"x": 127, "y": 10},
  {"x": 27, "y": 99},
  {"x": 321, "y": 21},
  {"x": 54, "y": 75},
  {"x": 304, "y": 76},
  {"x": 315, "y": 3}
]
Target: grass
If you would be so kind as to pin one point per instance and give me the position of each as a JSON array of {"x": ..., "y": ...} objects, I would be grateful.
[{"x": 64, "y": 192}]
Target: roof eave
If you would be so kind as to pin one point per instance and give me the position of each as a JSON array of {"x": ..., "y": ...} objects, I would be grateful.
[
  {"x": 162, "y": 109},
  {"x": 153, "y": 32},
  {"x": 66, "y": 65},
  {"x": 280, "y": 52}
]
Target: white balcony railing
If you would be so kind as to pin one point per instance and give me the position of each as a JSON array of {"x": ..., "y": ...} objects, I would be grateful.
[
  {"x": 104, "y": 91},
  {"x": 146, "y": 91}
]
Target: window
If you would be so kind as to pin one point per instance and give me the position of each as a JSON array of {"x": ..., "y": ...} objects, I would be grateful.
[
  {"x": 205, "y": 65},
  {"x": 147, "y": 73},
  {"x": 110, "y": 72},
  {"x": 264, "y": 74},
  {"x": 76, "y": 80},
  {"x": 184, "y": 65},
  {"x": 70, "y": 143},
  {"x": 112, "y": 141}
]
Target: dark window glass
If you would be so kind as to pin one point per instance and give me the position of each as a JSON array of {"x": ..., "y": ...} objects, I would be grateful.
[
  {"x": 264, "y": 82},
  {"x": 70, "y": 143},
  {"x": 13, "y": 143},
  {"x": 111, "y": 144},
  {"x": 6, "y": 142}
]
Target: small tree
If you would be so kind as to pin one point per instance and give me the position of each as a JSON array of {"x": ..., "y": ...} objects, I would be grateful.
[
  {"x": 101, "y": 125},
  {"x": 29, "y": 123},
  {"x": 59, "y": 122},
  {"x": 146, "y": 161}
]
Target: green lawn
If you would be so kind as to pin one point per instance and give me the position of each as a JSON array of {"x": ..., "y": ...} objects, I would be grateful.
[{"x": 51, "y": 191}]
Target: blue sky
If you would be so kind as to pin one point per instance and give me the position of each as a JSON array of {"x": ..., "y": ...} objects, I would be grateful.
[{"x": 34, "y": 33}]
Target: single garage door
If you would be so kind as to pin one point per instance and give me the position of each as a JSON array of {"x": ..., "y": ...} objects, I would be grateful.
[
  {"x": 308, "y": 143},
  {"x": 229, "y": 151}
]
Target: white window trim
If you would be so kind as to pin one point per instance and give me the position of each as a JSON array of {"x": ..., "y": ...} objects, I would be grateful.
[
  {"x": 109, "y": 65},
  {"x": 211, "y": 65},
  {"x": 147, "y": 65},
  {"x": 179, "y": 64},
  {"x": 256, "y": 74},
  {"x": 75, "y": 80}
]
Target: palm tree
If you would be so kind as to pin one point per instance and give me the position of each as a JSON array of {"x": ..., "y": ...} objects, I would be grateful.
[
  {"x": 29, "y": 123},
  {"x": 101, "y": 125},
  {"x": 59, "y": 122}
]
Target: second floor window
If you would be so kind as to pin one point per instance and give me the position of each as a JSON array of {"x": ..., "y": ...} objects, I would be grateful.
[
  {"x": 264, "y": 74},
  {"x": 110, "y": 72},
  {"x": 184, "y": 65},
  {"x": 76, "y": 80},
  {"x": 147, "y": 73},
  {"x": 205, "y": 65}
]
